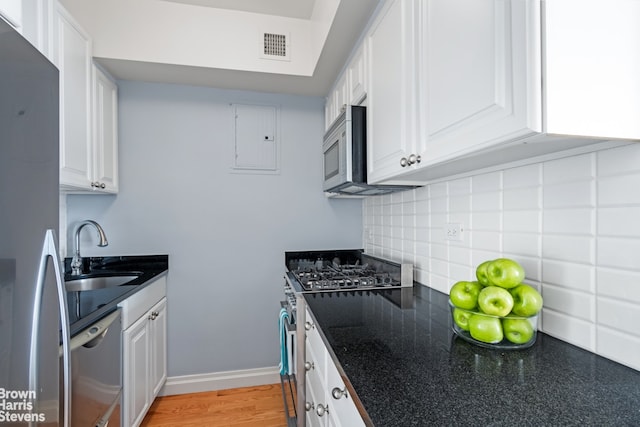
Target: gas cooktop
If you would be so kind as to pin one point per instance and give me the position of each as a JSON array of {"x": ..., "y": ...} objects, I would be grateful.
[{"x": 335, "y": 270}]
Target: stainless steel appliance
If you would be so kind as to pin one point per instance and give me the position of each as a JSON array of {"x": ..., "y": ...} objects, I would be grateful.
[
  {"x": 320, "y": 272},
  {"x": 33, "y": 309},
  {"x": 96, "y": 354},
  {"x": 345, "y": 156}
]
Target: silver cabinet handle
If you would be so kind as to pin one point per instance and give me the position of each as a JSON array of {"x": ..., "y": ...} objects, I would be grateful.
[
  {"x": 404, "y": 162},
  {"x": 322, "y": 409},
  {"x": 337, "y": 393},
  {"x": 414, "y": 159},
  {"x": 308, "y": 406},
  {"x": 154, "y": 315},
  {"x": 308, "y": 366},
  {"x": 97, "y": 184},
  {"x": 308, "y": 326}
]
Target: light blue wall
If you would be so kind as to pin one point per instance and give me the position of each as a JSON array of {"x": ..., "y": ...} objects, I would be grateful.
[{"x": 225, "y": 233}]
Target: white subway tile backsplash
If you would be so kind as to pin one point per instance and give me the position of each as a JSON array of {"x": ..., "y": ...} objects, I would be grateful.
[
  {"x": 570, "y": 329},
  {"x": 619, "y": 190},
  {"x": 486, "y": 182},
  {"x": 618, "y": 346},
  {"x": 580, "y": 277},
  {"x": 620, "y": 315},
  {"x": 577, "y": 249},
  {"x": 569, "y": 194},
  {"x": 621, "y": 222},
  {"x": 573, "y": 224},
  {"x": 621, "y": 284},
  {"x": 487, "y": 221},
  {"x": 619, "y": 253},
  {"x": 569, "y": 302},
  {"x": 569, "y": 221},
  {"x": 522, "y": 198},
  {"x": 620, "y": 160},
  {"x": 577, "y": 168},
  {"x": 489, "y": 201},
  {"x": 525, "y": 244},
  {"x": 521, "y": 221},
  {"x": 521, "y": 177},
  {"x": 486, "y": 240}
]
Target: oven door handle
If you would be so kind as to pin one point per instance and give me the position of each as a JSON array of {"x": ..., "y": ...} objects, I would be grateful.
[{"x": 93, "y": 335}]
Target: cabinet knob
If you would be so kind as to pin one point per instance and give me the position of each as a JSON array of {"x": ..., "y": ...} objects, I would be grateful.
[
  {"x": 404, "y": 162},
  {"x": 308, "y": 406},
  {"x": 308, "y": 366},
  {"x": 322, "y": 409},
  {"x": 414, "y": 159},
  {"x": 308, "y": 326},
  {"x": 337, "y": 393},
  {"x": 154, "y": 315},
  {"x": 96, "y": 184}
]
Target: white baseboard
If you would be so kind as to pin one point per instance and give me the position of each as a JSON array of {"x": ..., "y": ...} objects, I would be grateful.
[{"x": 220, "y": 381}]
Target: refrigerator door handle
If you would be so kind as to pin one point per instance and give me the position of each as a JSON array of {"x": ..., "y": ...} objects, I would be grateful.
[{"x": 50, "y": 251}]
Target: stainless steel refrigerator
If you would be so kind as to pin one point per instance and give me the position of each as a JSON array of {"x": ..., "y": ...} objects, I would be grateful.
[{"x": 34, "y": 330}]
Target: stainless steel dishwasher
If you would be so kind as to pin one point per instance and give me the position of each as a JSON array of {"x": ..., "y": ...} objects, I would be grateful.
[{"x": 96, "y": 371}]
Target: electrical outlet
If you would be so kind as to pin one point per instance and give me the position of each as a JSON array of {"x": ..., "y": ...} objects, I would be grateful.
[{"x": 453, "y": 231}]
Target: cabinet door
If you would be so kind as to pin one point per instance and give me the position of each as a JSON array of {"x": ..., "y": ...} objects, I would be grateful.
[
  {"x": 357, "y": 77},
  {"x": 480, "y": 63},
  {"x": 72, "y": 55},
  {"x": 158, "y": 338},
  {"x": 135, "y": 370},
  {"x": 11, "y": 11},
  {"x": 343, "y": 409},
  {"x": 105, "y": 110},
  {"x": 391, "y": 101}
]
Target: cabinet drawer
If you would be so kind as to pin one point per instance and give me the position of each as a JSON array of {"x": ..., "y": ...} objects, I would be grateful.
[{"x": 139, "y": 303}]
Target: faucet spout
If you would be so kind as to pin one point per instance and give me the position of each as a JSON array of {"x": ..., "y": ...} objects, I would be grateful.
[{"x": 76, "y": 262}]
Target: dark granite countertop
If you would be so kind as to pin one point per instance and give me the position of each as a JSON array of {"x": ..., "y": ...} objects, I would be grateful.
[
  {"x": 407, "y": 368},
  {"x": 96, "y": 304}
]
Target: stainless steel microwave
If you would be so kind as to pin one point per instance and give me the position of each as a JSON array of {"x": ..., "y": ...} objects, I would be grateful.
[{"x": 345, "y": 156}]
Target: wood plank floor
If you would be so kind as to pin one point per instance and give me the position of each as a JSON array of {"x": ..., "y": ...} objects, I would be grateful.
[{"x": 259, "y": 406}]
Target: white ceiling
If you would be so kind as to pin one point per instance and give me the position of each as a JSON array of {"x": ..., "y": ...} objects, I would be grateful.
[
  {"x": 350, "y": 20},
  {"x": 301, "y": 9}
]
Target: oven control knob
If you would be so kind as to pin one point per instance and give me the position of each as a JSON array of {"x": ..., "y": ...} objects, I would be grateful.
[
  {"x": 322, "y": 409},
  {"x": 308, "y": 366},
  {"x": 308, "y": 326},
  {"x": 337, "y": 393}
]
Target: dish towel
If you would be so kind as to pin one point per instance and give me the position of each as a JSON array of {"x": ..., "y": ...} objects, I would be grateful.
[{"x": 282, "y": 325}]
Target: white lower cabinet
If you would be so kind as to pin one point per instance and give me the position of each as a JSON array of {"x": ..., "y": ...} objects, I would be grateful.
[
  {"x": 144, "y": 351},
  {"x": 327, "y": 401}
]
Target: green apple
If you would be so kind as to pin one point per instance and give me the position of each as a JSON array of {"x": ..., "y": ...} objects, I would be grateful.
[
  {"x": 465, "y": 294},
  {"x": 505, "y": 272},
  {"x": 518, "y": 331},
  {"x": 527, "y": 301},
  {"x": 485, "y": 328},
  {"x": 461, "y": 317},
  {"x": 481, "y": 273},
  {"x": 495, "y": 301}
]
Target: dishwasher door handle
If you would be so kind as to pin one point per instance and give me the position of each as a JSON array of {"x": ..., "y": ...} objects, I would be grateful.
[{"x": 92, "y": 336}]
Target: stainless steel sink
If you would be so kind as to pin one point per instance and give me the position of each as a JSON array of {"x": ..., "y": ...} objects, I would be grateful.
[{"x": 101, "y": 282}]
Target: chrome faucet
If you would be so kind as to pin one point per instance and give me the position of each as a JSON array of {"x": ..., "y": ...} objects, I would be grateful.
[{"x": 76, "y": 262}]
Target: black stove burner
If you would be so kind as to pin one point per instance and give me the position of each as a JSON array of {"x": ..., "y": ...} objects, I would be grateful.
[{"x": 334, "y": 277}]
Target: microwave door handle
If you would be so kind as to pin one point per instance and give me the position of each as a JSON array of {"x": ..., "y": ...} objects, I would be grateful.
[{"x": 49, "y": 251}]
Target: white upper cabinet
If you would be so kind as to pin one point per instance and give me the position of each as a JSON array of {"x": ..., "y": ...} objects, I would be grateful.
[
  {"x": 72, "y": 56},
  {"x": 357, "y": 77},
  {"x": 105, "y": 129},
  {"x": 88, "y": 112},
  {"x": 392, "y": 97},
  {"x": 497, "y": 81},
  {"x": 11, "y": 11},
  {"x": 475, "y": 72}
]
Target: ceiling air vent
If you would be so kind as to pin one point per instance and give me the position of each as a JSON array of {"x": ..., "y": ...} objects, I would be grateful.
[{"x": 275, "y": 46}]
